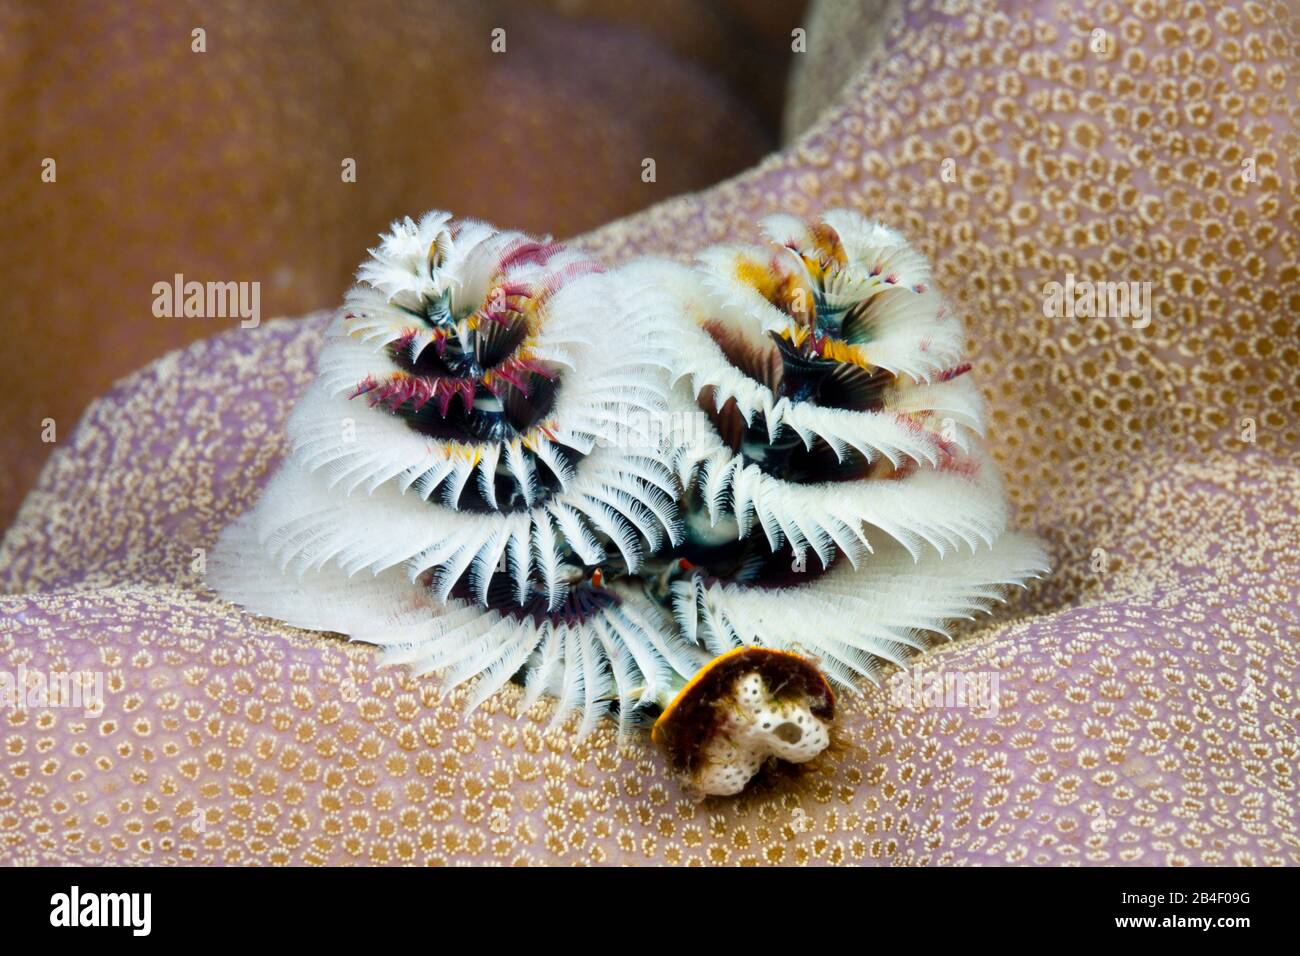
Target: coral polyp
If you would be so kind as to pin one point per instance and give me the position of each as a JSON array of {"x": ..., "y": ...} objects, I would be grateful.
[{"x": 595, "y": 481}]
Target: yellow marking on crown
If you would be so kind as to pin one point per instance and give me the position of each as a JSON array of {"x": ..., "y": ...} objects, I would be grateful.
[
  {"x": 459, "y": 451},
  {"x": 839, "y": 351},
  {"x": 757, "y": 276},
  {"x": 795, "y": 334},
  {"x": 438, "y": 249},
  {"x": 796, "y": 298},
  {"x": 826, "y": 252}
]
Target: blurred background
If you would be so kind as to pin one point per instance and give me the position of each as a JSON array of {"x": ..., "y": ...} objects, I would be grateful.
[{"x": 226, "y": 164}]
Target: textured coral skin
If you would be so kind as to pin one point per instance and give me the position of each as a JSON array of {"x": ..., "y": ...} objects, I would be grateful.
[{"x": 1148, "y": 706}]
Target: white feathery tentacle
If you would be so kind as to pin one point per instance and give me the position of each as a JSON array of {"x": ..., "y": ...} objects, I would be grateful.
[
  {"x": 881, "y": 609},
  {"x": 517, "y": 465}
]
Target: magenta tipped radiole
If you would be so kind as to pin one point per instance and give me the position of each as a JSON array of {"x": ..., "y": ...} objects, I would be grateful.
[{"x": 703, "y": 495}]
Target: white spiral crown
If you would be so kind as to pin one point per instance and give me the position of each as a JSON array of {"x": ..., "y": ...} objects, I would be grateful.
[{"x": 517, "y": 464}]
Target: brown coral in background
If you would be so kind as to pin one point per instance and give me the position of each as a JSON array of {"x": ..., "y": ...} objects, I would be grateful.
[{"x": 226, "y": 165}]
